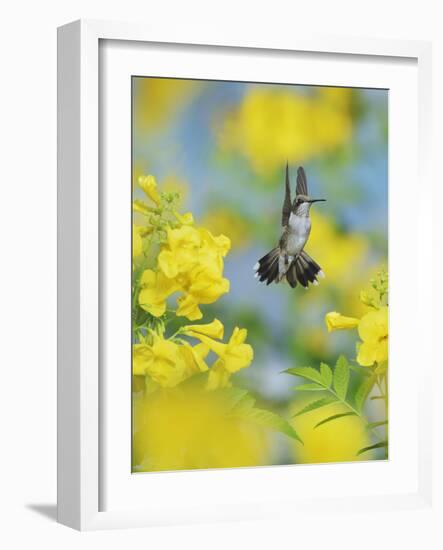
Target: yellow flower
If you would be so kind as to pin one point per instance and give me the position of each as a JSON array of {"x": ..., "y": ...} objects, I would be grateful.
[
  {"x": 373, "y": 330},
  {"x": 214, "y": 245},
  {"x": 335, "y": 321},
  {"x": 336, "y": 441},
  {"x": 213, "y": 330},
  {"x": 149, "y": 186},
  {"x": 205, "y": 286},
  {"x": 137, "y": 171},
  {"x": 187, "y": 306},
  {"x": 180, "y": 254},
  {"x": 193, "y": 258},
  {"x": 194, "y": 357},
  {"x": 155, "y": 289},
  {"x": 218, "y": 377},
  {"x": 190, "y": 429},
  {"x": 137, "y": 243},
  {"x": 162, "y": 361},
  {"x": 234, "y": 355},
  {"x": 191, "y": 262}
]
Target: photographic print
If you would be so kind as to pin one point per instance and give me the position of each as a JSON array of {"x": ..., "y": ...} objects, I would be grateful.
[{"x": 259, "y": 274}]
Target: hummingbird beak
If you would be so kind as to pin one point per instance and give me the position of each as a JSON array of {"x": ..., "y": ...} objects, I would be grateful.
[{"x": 317, "y": 200}]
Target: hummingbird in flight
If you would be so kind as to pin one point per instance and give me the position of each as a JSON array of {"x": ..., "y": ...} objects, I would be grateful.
[{"x": 289, "y": 260}]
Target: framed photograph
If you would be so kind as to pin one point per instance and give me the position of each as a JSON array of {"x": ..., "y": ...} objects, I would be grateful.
[{"x": 240, "y": 267}]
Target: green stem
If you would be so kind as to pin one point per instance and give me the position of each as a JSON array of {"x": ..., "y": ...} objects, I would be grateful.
[
  {"x": 350, "y": 407},
  {"x": 345, "y": 403}
]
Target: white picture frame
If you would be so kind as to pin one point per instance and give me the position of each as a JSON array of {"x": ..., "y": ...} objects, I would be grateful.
[{"x": 82, "y": 396}]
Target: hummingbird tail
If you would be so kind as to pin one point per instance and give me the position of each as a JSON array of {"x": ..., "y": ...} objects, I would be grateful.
[
  {"x": 303, "y": 270},
  {"x": 266, "y": 269}
]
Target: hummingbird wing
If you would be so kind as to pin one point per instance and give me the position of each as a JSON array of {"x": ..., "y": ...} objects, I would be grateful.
[
  {"x": 286, "y": 212},
  {"x": 302, "y": 184}
]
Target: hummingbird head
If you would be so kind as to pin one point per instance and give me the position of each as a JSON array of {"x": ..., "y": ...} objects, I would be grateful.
[{"x": 302, "y": 204}]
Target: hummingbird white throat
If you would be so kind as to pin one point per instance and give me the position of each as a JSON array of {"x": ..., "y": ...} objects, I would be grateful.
[{"x": 288, "y": 260}]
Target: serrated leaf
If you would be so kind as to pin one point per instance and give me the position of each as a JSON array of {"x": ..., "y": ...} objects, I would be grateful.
[
  {"x": 309, "y": 387},
  {"x": 273, "y": 421},
  {"x": 372, "y": 425},
  {"x": 379, "y": 445},
  {"x": 316, "y": 405},
  {"x": 326, "y": 373},
  {"x": 341, "y": 377},
  {"x": 307, "y": 372},
  {"x": 334, "y": 417},
  {"x": 363, "y": 391}
]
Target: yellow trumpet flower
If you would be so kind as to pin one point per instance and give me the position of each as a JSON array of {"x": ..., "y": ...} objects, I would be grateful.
[
  {"x": 149, "y": 185},
  {"x": 162, "y": 361},
  {"x": 234, "y": 355},
  {"x": 373, "y": 330},
  {"x": 155, "y": 289},
  {"x": 213, "y": 330},
  {"x": 336, "y": 321}
]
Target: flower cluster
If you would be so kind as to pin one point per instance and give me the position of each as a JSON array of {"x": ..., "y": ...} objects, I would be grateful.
[
  {"x": 191, "y": 263},
  {"x": 372, "y": 327},
  {"x": 170, "y": 361},
  {"x": 188, "y": 261}
]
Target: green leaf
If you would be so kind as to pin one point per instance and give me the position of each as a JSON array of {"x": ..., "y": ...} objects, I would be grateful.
[
  {"x": 243, "y": 406},
  {"x": 363, "y": 391},
  {"x": 334, "y": 417},
  {"x": 341, "y": 377},
  {"x": 360, "y": 370},
  {"x": 307, "y": 372},
  {"x": 379, "y": 445},
  {"x": 326, "y": 373},
  {"x": 232, "y": 396},
  {"x": 309, "y": 387},
  {"x": 271, "y": 420},
  {"x": 372, "y": 425},
  {"x": 316, "y": 405}
]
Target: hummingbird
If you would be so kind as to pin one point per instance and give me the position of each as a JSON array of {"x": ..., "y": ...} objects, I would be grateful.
[{"x": 289, "y": 260}]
